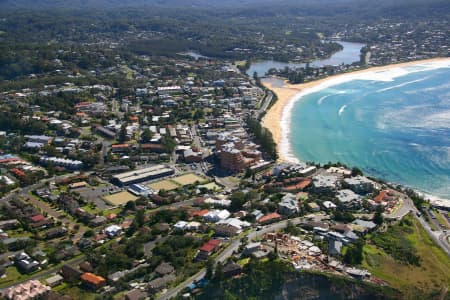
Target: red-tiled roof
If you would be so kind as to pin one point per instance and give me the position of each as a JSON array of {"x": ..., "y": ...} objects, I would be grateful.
[
  {"x": 93, "y": 279},
  {"x": 37, "y": 218},
  {"x": 7, "y": 160},
  {"x": 381, "y": 196},
  {"x": 120, "y": 146},
  {"x": 271, "y": 216},
  {"x": 199, "y": 213},
  {"x": 18, "y": 172},
  {"x": 210, "y": 246}
]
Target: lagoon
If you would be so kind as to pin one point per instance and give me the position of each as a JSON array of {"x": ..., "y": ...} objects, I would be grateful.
[{"x": 349, "y": 54}]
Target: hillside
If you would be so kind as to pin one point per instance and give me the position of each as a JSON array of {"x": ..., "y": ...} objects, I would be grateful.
[{"x": 392, "y": 255}]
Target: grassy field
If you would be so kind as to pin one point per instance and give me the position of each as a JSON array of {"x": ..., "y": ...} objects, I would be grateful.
[
  {"x": 430, "y": 276},
  {"x": 440, "y": 219},
  {"x": 163, "y": 185},
  {"x": 211, "y": 186},
  {"x": 12, "y": 276},
  {"x": 77, "y": 293},
  {"x": 187, "y": 179},
  {"x": 176, "y": 182},
  {"x": 120, "y": 198}
]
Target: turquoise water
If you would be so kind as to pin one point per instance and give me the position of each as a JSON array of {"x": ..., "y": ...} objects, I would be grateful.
[{"x": 397, "y": 130}]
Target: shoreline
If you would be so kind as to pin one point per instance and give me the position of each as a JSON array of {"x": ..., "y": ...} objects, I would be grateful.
[{"x": 278, "y": 117}]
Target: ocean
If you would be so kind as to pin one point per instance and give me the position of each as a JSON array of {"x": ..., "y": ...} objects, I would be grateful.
[{"x": 392, "y": 124}]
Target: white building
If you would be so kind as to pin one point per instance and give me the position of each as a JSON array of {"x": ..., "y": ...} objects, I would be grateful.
[
  {"x": 113, "y": 230},
  {"x": 359, "y": 184},
  {"x": 348, "y": 198},
  {"x": 325, "y": 183},
  {"x": 216, "y": 215},
  {"x": 288, "y": 205}
]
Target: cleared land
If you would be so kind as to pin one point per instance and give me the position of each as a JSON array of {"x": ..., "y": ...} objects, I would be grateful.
[
  {"x": 189, "y": 178},
  {"x": 426, "y": 279},
  {"x": 120, "y": 198},
  {"x": 164, "y": 185}
]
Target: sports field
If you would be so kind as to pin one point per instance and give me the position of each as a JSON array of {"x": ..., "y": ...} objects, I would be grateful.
[
  {"x": 189, "y": 178},
  {"x": 119, "y": 198},
  {"x": 166, "y": 184}
]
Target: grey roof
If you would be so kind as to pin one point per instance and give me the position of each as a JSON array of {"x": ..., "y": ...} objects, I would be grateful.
[{"x": 365, "y": 224}]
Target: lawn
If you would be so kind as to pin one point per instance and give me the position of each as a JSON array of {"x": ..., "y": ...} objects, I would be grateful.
[
  {"x": 163, "y": 185},
  {"x": 75, "y": 292},
  {"x": 440, "y": 219},
  {"x": 187, "y": 179},
  {"x": 120, "y": 198},
  {"x": 430, "y": 276},
  {"x": 211, "y": 186},
  {"x": 12, "y": 276}
]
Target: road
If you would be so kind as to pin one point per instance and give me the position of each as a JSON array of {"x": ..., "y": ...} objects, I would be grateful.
[
  {"x": 226, "y": 253},
  {"x": 27, "y": 189},
  {"x": 265, "y": 104},
  {"x": 438, "y": 236},
  {"x": 195, "y": 137},
  {"x": 47, "y": 272}
]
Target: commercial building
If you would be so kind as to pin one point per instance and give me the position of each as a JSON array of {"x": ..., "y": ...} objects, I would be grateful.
[
  {"x": 348, "y": 198},
  {"x": 288, "y": 205},
  {"x": 325, "y": 184},
  {"x": 359, "y": 184},
  {"x": 137, "y": 176}
]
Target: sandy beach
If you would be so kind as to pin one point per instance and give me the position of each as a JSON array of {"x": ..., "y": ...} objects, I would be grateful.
[{"x": 278, "y": 117}]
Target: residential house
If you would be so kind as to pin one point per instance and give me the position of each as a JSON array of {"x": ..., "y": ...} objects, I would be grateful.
[
  {"x": 92, "y": 281},
  {"x": 207, "y": 249},
  {"x": 232, "y": 269}
]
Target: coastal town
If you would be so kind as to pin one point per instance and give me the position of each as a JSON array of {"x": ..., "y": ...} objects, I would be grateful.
[
  {"x": 133, "y": 195},
  {"x": 160, "y": 177}
]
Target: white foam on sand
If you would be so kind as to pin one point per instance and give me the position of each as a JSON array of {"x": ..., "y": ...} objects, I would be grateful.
[{"x": 386, "y": 75}]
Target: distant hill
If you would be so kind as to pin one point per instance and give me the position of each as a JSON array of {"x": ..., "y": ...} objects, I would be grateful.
[
  {"x": 368, "y": 8},
  {"x": 193, "y": 3},
  {"x": 45, "y": 4}
]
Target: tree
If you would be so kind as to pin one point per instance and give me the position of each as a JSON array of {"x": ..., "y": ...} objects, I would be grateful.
[
  {"x": 123, "y": 133},
  {"x": 218, "y": 274},
  {"x": 199, "y": 114},
  {"x": 130, "y": 205},
  {"x": 88, "y": 233},
  {"x": 238, "y": 199},
  {"x": 378, "y": 216},
  {"x": 146, "y": 135},
  {"x": 140, "y": 218},
  {"x": 356, "y": 172},
  {"x": 209, "y": 268},
  {"x": 354, "y": 255},
  {"x": 168, "y": 143}
]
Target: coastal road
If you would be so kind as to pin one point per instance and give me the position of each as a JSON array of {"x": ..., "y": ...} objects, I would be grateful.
[
  {"x": 438, "y": 236},
  {"x": 265, "y": 104}
]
